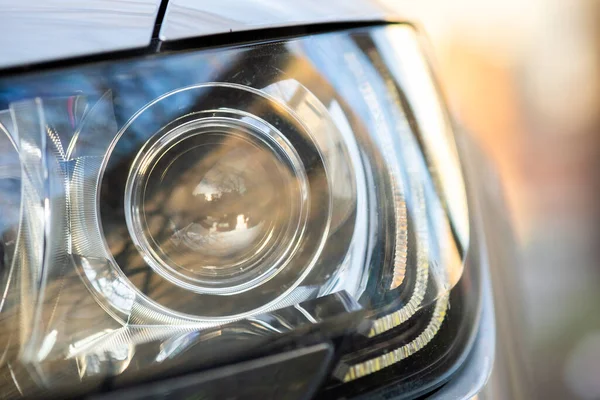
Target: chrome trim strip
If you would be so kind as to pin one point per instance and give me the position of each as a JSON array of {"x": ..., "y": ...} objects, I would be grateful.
[
  {"x": 190, "y": 18},
  {"x": 33, "y": 31}
]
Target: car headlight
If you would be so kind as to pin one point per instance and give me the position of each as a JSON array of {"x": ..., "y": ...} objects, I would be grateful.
[{"x": 228, "y": 204}]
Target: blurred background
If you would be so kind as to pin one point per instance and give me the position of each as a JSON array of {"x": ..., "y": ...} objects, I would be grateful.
[{"x": 523, "y": 77}]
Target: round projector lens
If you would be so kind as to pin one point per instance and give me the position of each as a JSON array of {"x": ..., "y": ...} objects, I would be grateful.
[{"x": 217, "y": 203}]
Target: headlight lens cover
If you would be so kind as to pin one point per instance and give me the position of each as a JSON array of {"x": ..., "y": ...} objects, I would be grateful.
[{"x": 243, "y": 192}]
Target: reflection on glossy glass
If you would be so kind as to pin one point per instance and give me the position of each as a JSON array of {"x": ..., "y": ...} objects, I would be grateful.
[
  {"x": 10, "y": 203},
  {"x": 227, "y": 194},
  {"x": 436, "y": 264},
  {"x": 218, "y": 207},
  {"x": 221, "y": 203},
  {"x": 436, "y": 132},
  {"x": 180, "y": 199}
]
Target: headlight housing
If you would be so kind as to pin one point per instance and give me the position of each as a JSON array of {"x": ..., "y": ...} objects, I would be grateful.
[{"x": 251, "y": 196}]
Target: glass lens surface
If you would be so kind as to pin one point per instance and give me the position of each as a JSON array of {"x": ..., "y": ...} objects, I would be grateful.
[
  {"x": 220, "y": 206},
  {"x": 204, "y": 206},
  {"x": 218, "y": 201}
]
